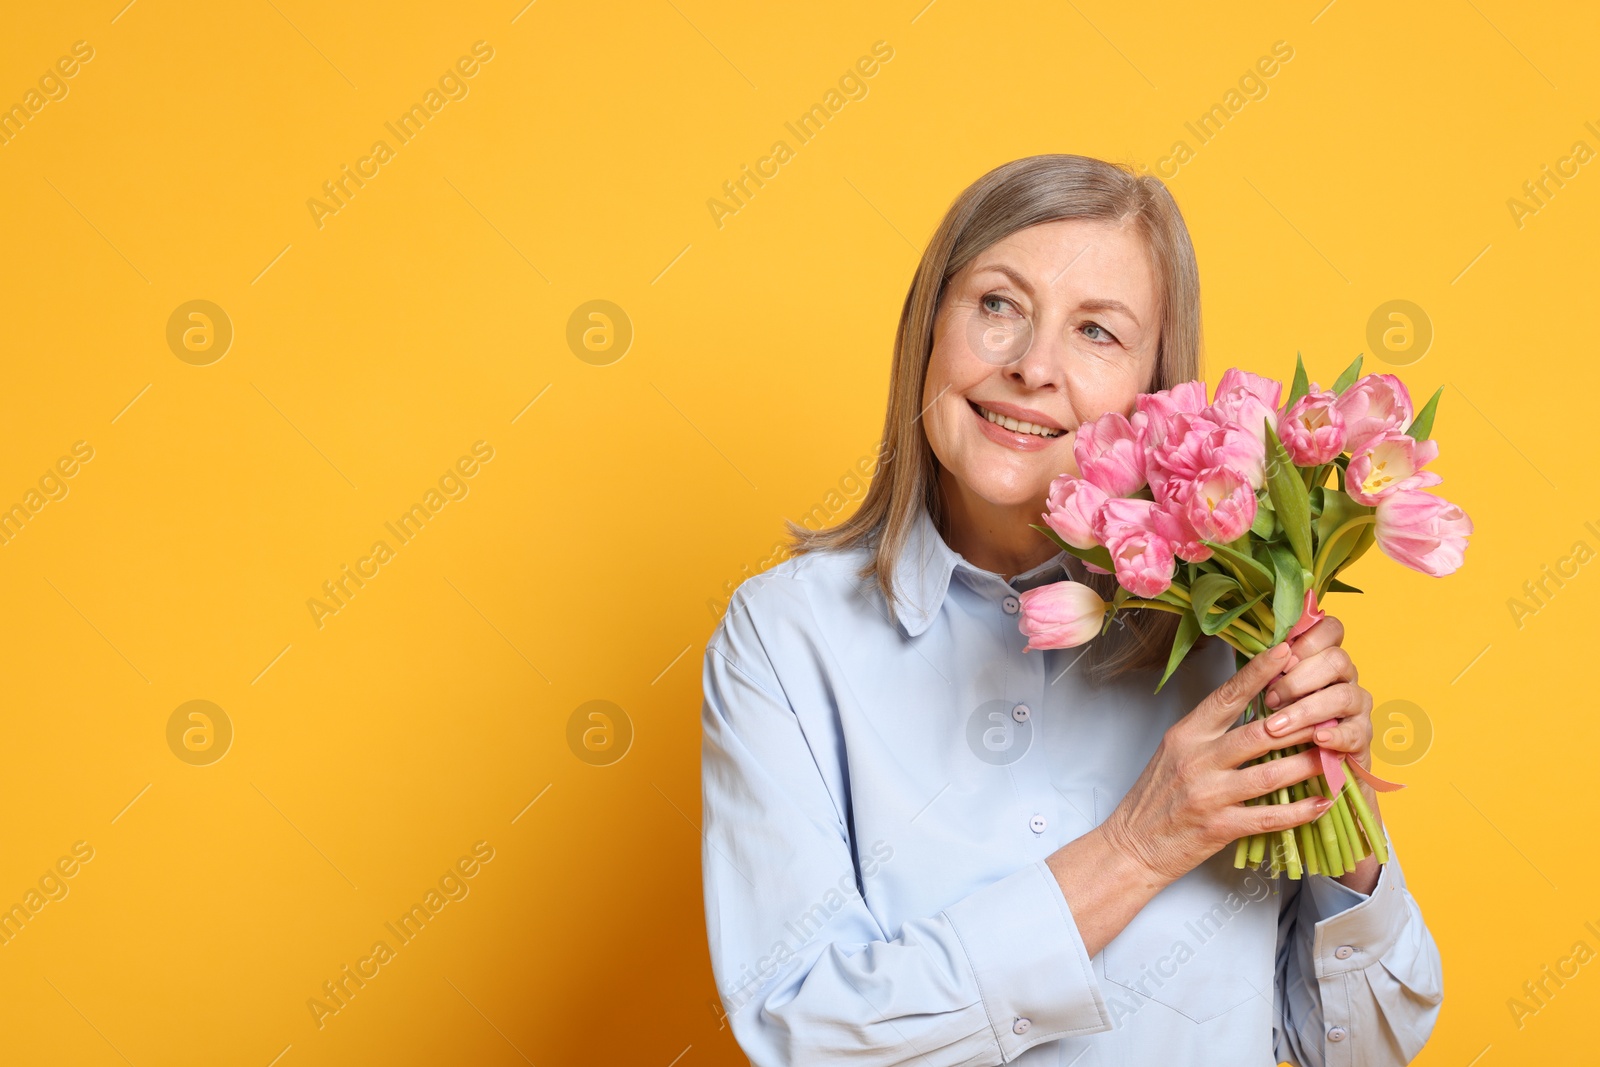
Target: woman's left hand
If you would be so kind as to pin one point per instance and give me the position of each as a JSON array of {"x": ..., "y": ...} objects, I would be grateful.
[{"x": 1320, "y": 684}]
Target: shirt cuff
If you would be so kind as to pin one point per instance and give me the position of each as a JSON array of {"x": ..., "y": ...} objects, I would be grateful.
[
  {"x": 1357, "y": 929},
  {"x": 1033, "y": 972}
]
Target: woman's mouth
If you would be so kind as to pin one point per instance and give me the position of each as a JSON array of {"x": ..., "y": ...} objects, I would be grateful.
[
  {"x": 1016, "y": 425},
  {"x": 1014, "y": 433}
]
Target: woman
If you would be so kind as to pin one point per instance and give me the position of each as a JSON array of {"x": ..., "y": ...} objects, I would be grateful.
[{"x": 923, "y": 845}]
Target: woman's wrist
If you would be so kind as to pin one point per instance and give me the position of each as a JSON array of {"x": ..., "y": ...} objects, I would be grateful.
[{"x": 1105, "y": 885}]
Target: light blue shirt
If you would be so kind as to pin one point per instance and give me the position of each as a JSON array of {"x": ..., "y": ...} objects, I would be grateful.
[{"x": 879, "y": 801}]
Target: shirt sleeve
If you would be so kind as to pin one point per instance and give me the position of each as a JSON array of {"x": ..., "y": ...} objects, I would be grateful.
[
  {"x": 805, "y": 971},
  {"x": 1359, "y": 979}
]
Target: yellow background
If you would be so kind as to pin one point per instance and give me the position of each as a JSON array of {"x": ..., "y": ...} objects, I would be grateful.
[{"x": 591, "y": 555}]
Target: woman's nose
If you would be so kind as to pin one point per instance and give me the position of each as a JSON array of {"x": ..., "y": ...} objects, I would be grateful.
[{"x": 1045, "y": 362}]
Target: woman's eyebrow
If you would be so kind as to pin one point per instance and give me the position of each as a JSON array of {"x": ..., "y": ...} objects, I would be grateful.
[
  {"x": 1091, "y": 304},
  {"x": 1105, "y": 304},
  {"x": 1000, "y": 268}
]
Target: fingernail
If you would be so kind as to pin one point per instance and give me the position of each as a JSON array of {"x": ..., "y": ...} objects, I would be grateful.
[
  {"x": 1273, "y": 700},
  {"x": 1321, "y": 803},
  {"x": 1280, "y": 650},
  {"x": 1278, "y": 722},
  {"x": 1324, "y": 735}
]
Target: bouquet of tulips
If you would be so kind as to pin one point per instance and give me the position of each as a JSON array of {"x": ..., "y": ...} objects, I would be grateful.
[{"x": 1219, "y": 512}]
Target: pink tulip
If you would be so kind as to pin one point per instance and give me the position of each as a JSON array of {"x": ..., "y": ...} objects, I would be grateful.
[
  {"x": 1422, "y": 531},
  {"x": 1246, "y": 401},
  {"x": 1135, "y": 531},
  {"x": 1312, "y": 430},
  {"x": 1240, "y": 451},
  {"x": 1186, "y": 541},
  {"x": 1060, "y": 615},
  {"x": 1109, "y": 454},
  {"x": 1153, "y": 412},
  {"x": 1371, "y": 405},
  {"x": 1143, "y": 561},
  {"x": 1120, "y": 515},
  {"x": 1387, "y": 464},
  {"x": 1071, "y": 507},
  {"x": 1181, "y": 454},
  {"x": 1220, "y": 504}
]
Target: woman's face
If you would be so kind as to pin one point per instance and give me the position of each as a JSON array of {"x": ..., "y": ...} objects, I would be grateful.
[{"x": 1052, "y": 326}]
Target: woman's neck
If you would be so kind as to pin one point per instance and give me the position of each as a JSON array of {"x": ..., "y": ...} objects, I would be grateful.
[{"x": 989, "y": 536}]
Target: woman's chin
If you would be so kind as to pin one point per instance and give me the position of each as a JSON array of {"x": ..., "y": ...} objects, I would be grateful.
[{"x": 1008, "y": 492}]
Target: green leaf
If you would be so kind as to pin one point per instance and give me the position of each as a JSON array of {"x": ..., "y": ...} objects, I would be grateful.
[
  {"x": 1338, "y": 509},
  {"x": 1301, "y": 386},
  {"x": 1212, "y": 588},
  {"x": 1422, "y": 425},
  {"x": 1336, "y": 586},
  {"x": 1290, "y": 497},
  {"x": 1367, "y": 538},
  {"x": 1264, "y": 522},
  {"x": 1204, "y": 594},
  {"x": 1223, "y": 621},
  {"x": 1349, "y": 375},
  {"x": 1289, "y": 598},
  {"x": 1253, "y": 575},
  {"x": 1188, "y": 633},
  {"x": 1167, "y": 596},
  {"x": 1096, "y": 555}
]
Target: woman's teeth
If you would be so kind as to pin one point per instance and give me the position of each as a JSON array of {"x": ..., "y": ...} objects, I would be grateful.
[{"x": 1015, "y": 424}]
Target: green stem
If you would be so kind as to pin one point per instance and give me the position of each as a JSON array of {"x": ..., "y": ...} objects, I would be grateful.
[
  {"x": 1368, "y": 823},
  {"x": 1240, "y": 640},
  {"x": 1349, "y": 837},
  {"x": 1240, "y": 626},
  {"x": 1329, "y": 831},
  {"x": 1303, "y": 832},
  {"x": 1286, "y": 838}
]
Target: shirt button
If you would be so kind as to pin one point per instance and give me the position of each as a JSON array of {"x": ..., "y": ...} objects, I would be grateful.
[
  {"x": 1011, "y": 605},
  {"x": 1036, "y": 824},
  {"x": 1021, "y": 712},
  {"x": 1343, "y": 952},
  {"x": 1336, "y": 1033},
  {"x": 1021, "y": 1026}
]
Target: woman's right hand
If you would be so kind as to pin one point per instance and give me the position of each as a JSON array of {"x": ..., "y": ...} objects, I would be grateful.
[{"x": 1187, "y": 804}]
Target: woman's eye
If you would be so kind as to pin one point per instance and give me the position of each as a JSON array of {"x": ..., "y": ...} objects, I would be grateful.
[
  {"x": 1104, "y": 334},
  {"x": 996, "y": 299}
]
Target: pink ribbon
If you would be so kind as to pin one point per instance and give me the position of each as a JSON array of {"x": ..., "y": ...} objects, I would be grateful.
[{"x": 1333, "y": 763}]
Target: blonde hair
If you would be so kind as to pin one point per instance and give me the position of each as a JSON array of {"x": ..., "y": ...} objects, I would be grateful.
[{"x": 1012, "y": 197}]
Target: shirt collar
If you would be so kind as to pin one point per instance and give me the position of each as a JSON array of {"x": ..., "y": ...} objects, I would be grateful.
[{"x": 926, "y": 563}]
